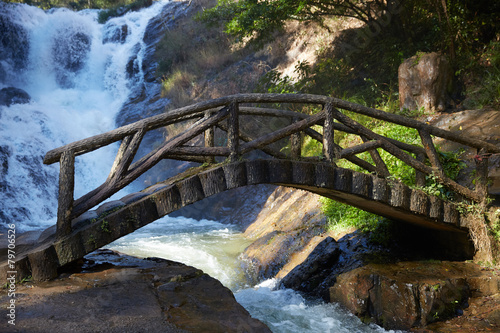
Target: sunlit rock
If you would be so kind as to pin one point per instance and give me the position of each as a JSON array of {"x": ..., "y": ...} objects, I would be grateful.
[{"x": 424, "y": 82}]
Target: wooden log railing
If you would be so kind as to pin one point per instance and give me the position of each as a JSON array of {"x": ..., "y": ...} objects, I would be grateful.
[{"x": 225, "y": 113}]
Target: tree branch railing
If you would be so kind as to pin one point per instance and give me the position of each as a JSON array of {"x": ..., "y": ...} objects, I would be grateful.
[{"x": 225, "y": 114}]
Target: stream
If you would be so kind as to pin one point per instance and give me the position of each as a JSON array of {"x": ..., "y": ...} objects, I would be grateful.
[{"x": 215, "y": 248}]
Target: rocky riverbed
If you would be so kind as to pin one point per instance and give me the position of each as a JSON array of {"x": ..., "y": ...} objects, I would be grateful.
[{"x": 111, "y": 292}]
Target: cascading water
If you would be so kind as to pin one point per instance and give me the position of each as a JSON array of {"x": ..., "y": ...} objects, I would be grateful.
[
  {"x": 75, "y": 71},
  {"x": 79, "y": 74}
]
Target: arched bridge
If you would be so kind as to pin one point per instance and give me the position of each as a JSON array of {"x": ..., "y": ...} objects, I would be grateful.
[{"x": 228, "y": 120}]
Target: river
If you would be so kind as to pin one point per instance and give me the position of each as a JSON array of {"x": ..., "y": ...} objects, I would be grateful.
[{"x": 75, "y": 71}]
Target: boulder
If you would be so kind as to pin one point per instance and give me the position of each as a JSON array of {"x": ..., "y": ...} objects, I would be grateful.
[
  {"x": 410, "y": 294},
  {"x": 424, "y": 82},
  {"x": 11, "y": 95}
]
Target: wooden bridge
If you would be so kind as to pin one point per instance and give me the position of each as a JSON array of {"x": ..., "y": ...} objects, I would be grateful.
[{"x": 80, "y": 230}]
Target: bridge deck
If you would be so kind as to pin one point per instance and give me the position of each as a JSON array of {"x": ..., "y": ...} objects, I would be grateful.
[{"x": 116, "y": 219}]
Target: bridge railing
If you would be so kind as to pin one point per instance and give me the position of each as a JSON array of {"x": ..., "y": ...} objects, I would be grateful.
[{"x": 225, "y": 113}]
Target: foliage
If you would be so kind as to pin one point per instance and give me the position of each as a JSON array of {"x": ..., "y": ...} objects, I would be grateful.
[
  {"x": 118, "y": 10},
  {"x": 113, "y": 5},
  {"x": 258, "y": 19}
]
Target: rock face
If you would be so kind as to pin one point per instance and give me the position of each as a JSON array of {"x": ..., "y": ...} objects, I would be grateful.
[
  {"x": 11, "y": 95},
  {"x": 411, "y": 294},
  {"x": 424, "y": 81},
  {"x": 133, "y": 295},
  {"x": 290, "y": 221}
]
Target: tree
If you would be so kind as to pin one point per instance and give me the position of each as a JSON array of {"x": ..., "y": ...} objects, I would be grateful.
[{"x": 258, "y": 19}]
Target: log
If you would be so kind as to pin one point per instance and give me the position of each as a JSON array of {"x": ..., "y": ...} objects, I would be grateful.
[
  {"x": 398, "y": 153},
  {"x": 382, "y": 169},
  {"x": 66, "y": 193},
  {"x": 353, "y": 159},
  {"x": 330, "y": 150},
  {"x": 126, "y": 154},
  {"x": 233, "y": 133},
  {"x": 369, "y": 145},
  {"x": 200, "y": 151},
  {"x": 109, "y": 188},
  {"x": 101, "y": 140},
  {"x": 281, "y": 133},
  {"x": 431, "y": 151},
  {"x": 409, "y": 122},
  {"x": 482, "y": 174},
  {"x": 246, "y": 138},
  {"x": 419, "y": 175},
  {"x": 296, "y": 143},
  {"x": 209, "y": 140},
  {"x": 95, "y": 142}
]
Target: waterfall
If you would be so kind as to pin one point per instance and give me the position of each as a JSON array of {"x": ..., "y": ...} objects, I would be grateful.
[{"x": 78, "y": 75}]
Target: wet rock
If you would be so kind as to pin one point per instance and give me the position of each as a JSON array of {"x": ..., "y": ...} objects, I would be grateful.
[
  {"x": 70, "y": 54},
  {"x": 3, "y": 74},
  {"x": 116, "y": 34},
  {"x": 11, "y": 95},
  {"x": 288, "y": 223},
  {"x": 311, "y": 273},
  {"x": 5, "y": 153},
  {"x": 424, "y": 81},
  {"x": 408, "y": 294},
  {"x": 125, "y": 294},
  {"x": 14, "y": 42}
]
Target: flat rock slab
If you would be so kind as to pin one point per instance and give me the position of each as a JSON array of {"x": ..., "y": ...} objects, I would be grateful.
[{"x": 128, "y": 295}]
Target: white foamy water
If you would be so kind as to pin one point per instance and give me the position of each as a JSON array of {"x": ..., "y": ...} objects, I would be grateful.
[
  {"x": 77, "y": 83},
  {"x": 215, "y": 248}
]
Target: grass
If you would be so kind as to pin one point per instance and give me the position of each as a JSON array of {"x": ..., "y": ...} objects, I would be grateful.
[{"x": 188, "y": 54}]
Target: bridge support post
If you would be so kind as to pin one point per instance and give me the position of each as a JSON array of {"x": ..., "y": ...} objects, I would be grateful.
[
  {"x": 296, "y": 143},
  {"x": 66, "y": 192},
  {"x": 482, "y": 174},
  {"x": 233, "y": 133},
  {"x": 331, "y": 151},
  {"x": 419, "y": 175},
  {"x": 209, "y": 140}
]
